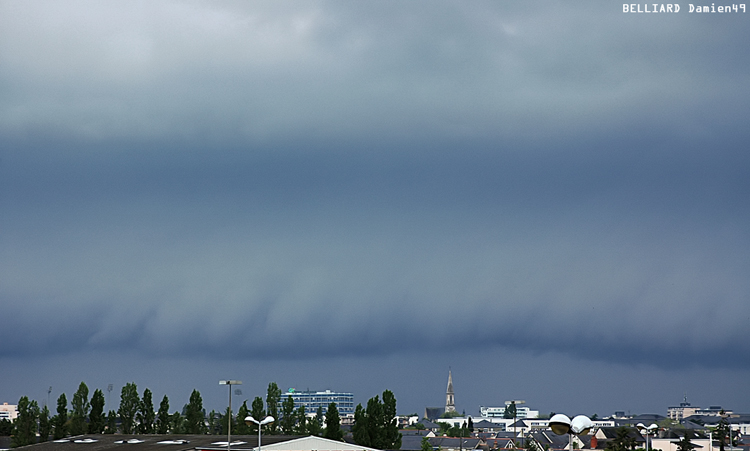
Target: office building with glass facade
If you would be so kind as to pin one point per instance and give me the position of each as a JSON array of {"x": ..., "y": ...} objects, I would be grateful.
[{"x": 314, "y": 399}]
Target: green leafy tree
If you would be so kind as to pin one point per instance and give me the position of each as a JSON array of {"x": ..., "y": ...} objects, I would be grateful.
[
  {"x": 510, "y": 411},
  {"x": 178, "y": 423},
  {"x": 315, "y": 426},
  {"x": 81, "y": 407},
  {"x": 377, "y": 426},
  {"x": 224, "y": 423},
  {"x": 6, "y": 427},
  {"x": 287, "y": 416},
  {"x": 215, "y": 423},
  {"x": 391, "y": 435},
  {"x": 24, "y": 426},
  {"x": 194, "y": 415},
  {"x": 163, "y": 419},
  {"x": 242, "y": 413},
  {"x": 360, "y": 428},
  {"x": 426, "y": 444},
  {"x": 721, "y": 432},
  {"x": 333, "y": 423},
  {"x": 60, "y": 421},
  {"x": 685, "y": 444},
  {"x": 257, "y": 412},
  {"x": 301, "y": 420},
  {"x": 146, "y": 415},
  {"x": 129, "y": 404},
  {"x": 45, "y": 424},
  {"x": 97, "y": 419},
  {"x": 273, "y": 397},
  {"x": 111, "y": 422},
  {"x": 623, "y": 440}
]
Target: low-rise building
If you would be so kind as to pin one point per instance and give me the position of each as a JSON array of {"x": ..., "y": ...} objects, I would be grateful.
[{"x": 8, "y": 411}]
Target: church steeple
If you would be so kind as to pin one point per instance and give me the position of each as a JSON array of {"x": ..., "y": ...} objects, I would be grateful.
[{"x": 450, "y": 404}]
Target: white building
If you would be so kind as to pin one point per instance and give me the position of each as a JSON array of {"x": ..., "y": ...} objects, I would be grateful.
[
  {"x": 8, "y": 411},
  {"x": 499, "y": 412}
]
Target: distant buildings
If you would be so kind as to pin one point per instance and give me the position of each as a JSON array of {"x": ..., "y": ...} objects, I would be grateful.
[
  {"x": 8, "y": 411},
  {"x": 499, "y": 412},
  {"x": 684, "y": 410},
  {"x": 677, "y": 413},
  {"x": 314, "y": 399}
]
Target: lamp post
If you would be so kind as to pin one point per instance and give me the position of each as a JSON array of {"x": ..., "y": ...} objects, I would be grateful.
[
  {"x": 579, "y": 425},
  {"x": 250, "y": 420},
  {"x": 229, "y": 420},
  {"x": 650, "y": 430}
]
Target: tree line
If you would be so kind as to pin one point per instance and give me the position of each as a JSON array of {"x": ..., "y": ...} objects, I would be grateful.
[{"x": 374, "y": 426}]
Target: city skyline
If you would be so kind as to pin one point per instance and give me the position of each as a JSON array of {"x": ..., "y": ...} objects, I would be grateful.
[{"x": 549, "y": 199}]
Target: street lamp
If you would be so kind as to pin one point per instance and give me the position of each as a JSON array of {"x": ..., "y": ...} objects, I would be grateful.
[
  {"x": 229, "y": 420},
  {"x": 579, "y": 425},
  {"x": 250, "y": 420},
  {"x": 650, "y": 430}
]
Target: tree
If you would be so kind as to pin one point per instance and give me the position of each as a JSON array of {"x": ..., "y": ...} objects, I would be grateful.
[
  {"x": 24, "y": 426},
  {"x": 194, "y": 415},
  {"x": 273, "y": 397},
  {"x": 287, "y": 416},
  {"x": 510, "y": 411},
  {"x": 111, "y": 422},
  {"x": 81, "y": 408},
  {"x": 315, "y": 426},
  {"x": 426, "y": 444},
  {"x": 242, "y": 413},
  {"x": 376, "y": 426},
  {"x": 685, "y": 444},
  {"x": 146, "y": 415},
  {"x": 178, "y": 423},
  {"x": 721, "y": 432},
  {"x": 60, "y": 421},
  {"x": 391, "y": 435},
  {"x": 162, "y": 418},
  {"x": 216, "y": 422},
  {"x": 257, "y": 412},
  {"x": 301, "y": 419},
  {"x": 623, "y": 440},
  {"x": 129, "y": 404},
  {"x": 97, "y": 420},
  {"x": 224, "y": 423},
  {"x": 6, "y": 427},
  {"x": 45, "y": 425},
  {"x": 360, "y": 428},
  {"x": 333, "y": 423}
]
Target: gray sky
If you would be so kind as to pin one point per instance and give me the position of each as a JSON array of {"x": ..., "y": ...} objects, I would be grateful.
[{"x": 551, "y": 199}]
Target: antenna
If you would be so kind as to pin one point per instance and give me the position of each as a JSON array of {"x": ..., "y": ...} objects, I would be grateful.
[
  {"x": 49, "y": 390},
  {"x": 109, "y": 390}
]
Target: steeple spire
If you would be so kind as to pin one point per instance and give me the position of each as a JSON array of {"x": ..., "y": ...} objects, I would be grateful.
[{"x": 450, "y": 404}]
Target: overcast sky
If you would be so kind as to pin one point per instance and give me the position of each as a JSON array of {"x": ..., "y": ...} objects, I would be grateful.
[{"x": 552, "y": 199}]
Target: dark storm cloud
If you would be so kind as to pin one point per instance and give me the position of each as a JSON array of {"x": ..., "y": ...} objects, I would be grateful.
[{"x": 368, "y": 178}]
